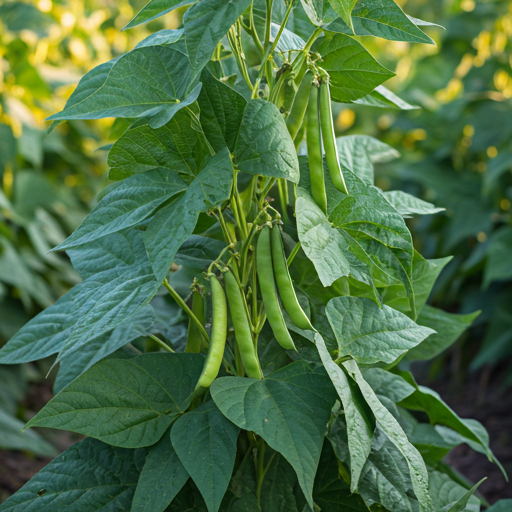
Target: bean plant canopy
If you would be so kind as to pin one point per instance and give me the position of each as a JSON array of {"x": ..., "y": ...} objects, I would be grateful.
[{"x": 233, "y": 203}]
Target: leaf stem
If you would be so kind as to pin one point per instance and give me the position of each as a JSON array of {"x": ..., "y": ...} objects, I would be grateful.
[
  {"x": 188, "y": 311},
  {"x": 161, "y": 343}
]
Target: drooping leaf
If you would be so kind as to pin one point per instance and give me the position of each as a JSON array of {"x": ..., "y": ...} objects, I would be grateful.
[
  {"x": 448, "y": 326},
  {"x": 178, "y": 146},
  {"x": 359, "y": 426},
  {"x": 407, "y": 205},
  {"x": 13, "y": 438},
  {"x": 126, "y": 402},
  {"x": 45, "y": 334},
  {"x": 383, "y": 98},
  {"x": 161, "y": 478},
  {"x": 267, "y": 408},
  {"x": 146, "y": 82},
  {"x": 97, "y": 349},
  {"x": 206, "y": 23},
  {"x": 205, "y": 441},
  {"x": 381, "y": 18},
  {"x": 173, "y": 224},
  {"x": 392, "y": 429},
  {"x": 371, "y": 334},
  {"x": 353, "y": 72},
  {"x": 90, "y": 476},
  {"x": 156, "y": 8},
  {"x": 127, "y": 205},
  {"x": 222, "y": 110},
  {"x": 264, "y": 146}
]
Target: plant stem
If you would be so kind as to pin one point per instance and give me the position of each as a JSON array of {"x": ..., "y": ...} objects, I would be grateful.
[
  {"x": 293, "y": 254},
  {"x": 161, "y": 343},
  {"x": 188, "y": 311},
  {"x": 224, "y": 227},
  {"x": 283, "y": 197},
  {"x": 266, "y": 190},
  {"x": 239, "y": 56}
]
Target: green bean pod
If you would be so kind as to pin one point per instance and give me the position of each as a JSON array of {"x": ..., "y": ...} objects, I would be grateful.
[
  {"x": 314, "y": 145},
  {"x": 268, "y": 290},
  {"x": 329, "y": 138},
  {"x": 300, "y": 103},
  {"x": 242, "y": 329},
  {"x": 218, "y": 337},
  {"x": 194, "y": 337},
  {"x": 284, "y": 283}
]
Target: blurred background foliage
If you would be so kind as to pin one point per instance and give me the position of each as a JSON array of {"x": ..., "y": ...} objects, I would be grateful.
[{"x": 456, "y": 152}]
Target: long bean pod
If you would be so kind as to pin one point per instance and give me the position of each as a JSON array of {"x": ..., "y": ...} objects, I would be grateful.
[
  {"x": 218, "y": 337},
  {"x": 242, "y": 328},
  {"x": 300, "y": 103},
  {"x": 284, "y": 283},
  {"x": 329, "y": 138},
  {"x": 268, "y": 291}
]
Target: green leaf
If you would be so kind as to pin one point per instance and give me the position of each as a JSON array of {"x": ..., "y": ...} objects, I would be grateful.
[
  {"x": 359, "y": 152},
  {"x": 45, "y": 334},
  {"x": 90, "y": 476},
  {"x": 289, "y": 41},
  {"x": 325, "y": 246},
  {"x": 501, "y": 506},
  {"x": 98, "y": 348},
  {"x": 178, "y": 146},
  {"x": 222, "y": 110},
  {"x": 13, "y": 438},
  {"x": 449, "y": 328},
  {"x": 161, "y": 478},
  {"x": 371, "y": 334},
  {"x": 381, "y": 18},
  {"x": 344, "y": 8},
  {"x": 387, "y": 384},
  {"x": 289, "y": 410},
  {"x": 199, "y": 251},
  {"x": 427, "y": 400},
  {"x": 407, "y": 205},
  {"x": 154, "y": 9},
  {"x": 320, "y": 12},
  {"x": 264, "y": 146},
  {"x": 174, "y": 223},
  {"x": 206, "y": 23},
  {"x": 397, "y": 436},
  {"x": 498, "y": 266},
  {"x": 205, "y": 442},
  {"x": 126, "y": 206},
  {"x": 449, "y": 496},
  {"x": 359, "y": 426},
  {"x": 120, "y": 281},
  {"x": 383, "y": 98},
  {"x": 149, "y": 81},
  {"x": 353, "y": 72},
  {"x": 125, "y": 402}
]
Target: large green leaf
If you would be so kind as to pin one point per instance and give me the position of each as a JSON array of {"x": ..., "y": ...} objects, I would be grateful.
[
  {"x": 380, "y": 18},
  {"x": 371, "y": 334},
  {"x": 178, "y": 146},
  {"x": 359, "y": 152},
  {"x": 127, "y": 205},
  {"x": 13, "y": 438},
  {"x": 125, "y": 402},
  {"x": 119, "y": 281},
  {"x": 353, "y": 71},
  {"x": 439, "y": 413},
  {"x": 448, "y": 326},
  {"x": 205, "y": 441},
  {"x": 222, "y": 110},
  {"x": 173, "y": 224},
  {"x": 397, "y": 436},
  {"x": 325, "y": 246},
  {"x": 289, "y": 410},
  {"x": 71, "y": 367},
  {"x": 264, "y": 146},
  {"x": 45, "y": 334},
  {"x": 88, "y": 477},
  {"x": 152, "y": 81},
  {"x": 161, "y": 478},
  {"x": 156, "y": 8},
  {"x": 206, "y": 23},
  {"x": 407, "y": 205},
  {"x": 359, "y": 426}
]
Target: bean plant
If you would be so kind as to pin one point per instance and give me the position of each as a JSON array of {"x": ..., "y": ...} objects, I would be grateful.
[{"x": 248, "y": 297}]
